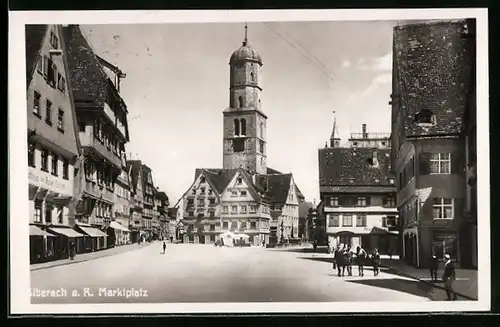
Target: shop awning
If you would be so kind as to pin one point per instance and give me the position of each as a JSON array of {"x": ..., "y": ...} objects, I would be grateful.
[
  {"x": 66, "y": 232},
  {"x": 93, "y": 232},
  {"x": 37, "y": 231},
  {"x": 118, "y": 226}
]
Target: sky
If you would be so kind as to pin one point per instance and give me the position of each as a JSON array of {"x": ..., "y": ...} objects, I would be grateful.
[{"x": 177, "y": 86}]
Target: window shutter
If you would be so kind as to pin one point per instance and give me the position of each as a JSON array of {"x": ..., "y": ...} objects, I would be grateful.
[
  {"x": 457, "y": 162},
  {"x": 424, "y": 165}
]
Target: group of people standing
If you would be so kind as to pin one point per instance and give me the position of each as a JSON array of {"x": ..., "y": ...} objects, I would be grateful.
[{"x": 344, "y": 258}]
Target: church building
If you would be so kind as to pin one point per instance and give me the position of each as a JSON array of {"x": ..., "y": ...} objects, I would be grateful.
[{"x": 245, "y": 197}]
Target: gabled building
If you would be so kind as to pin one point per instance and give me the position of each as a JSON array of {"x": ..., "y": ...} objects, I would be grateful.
[
  {"x": 103, "y": 132},
  {"x": 162, "y": 204},
  {"x": 433, "y": 88},
  {"x": 53, "y": 143},
  {"x": 137, "y": 223},
  {"x": 118, "y": 229},
  {"x": 245, "y": 196},
  {"x": 358, "y": 194}
]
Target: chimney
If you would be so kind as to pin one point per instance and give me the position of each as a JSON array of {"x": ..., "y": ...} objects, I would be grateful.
[
  {"x": 365, "y": 135},
  {"x": 375, "y": 158}
]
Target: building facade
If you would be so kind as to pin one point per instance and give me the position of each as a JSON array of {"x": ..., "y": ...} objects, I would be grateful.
[
  {"x": 103, "y": 132},
  {"x": 432, "y": 70},
  {"x": 122, "y": 210},
  {"x": 304, "y": 208},
  {"x": 358, "y": 193},
  {"x": 137, "y": 223},
  {"x": 163, "y": 203},
  {"x": 53, "y": 145}
]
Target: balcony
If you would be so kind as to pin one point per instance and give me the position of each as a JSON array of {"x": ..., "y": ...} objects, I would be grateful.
[{"x": 91, "y": 145}]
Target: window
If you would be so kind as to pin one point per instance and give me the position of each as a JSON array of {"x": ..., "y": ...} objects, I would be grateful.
[
  {"x": 54, "y": 41},
  {"x": 333, "y": 221},
  {"x": 212, "y": 214},
  {"x": 261, "y": 146},
  {"x": 45, "y": 159},
  {"x": 202, "y": 190},
  {"x": 442, "y": 208},
  {"x": 253, "y": 208},
  {"x": 39, "y": 64},
  {"x": 253, "y": 225},
  {"x": 252, "y": 77},
  {"x": 212, "y": 227},
  {"x": 190, "y": 202},
  {"x": 361, "y": 221},
  {"x": 190, "y": 214},
  {"x": 243, "y": 193},
  {"x": 60, "y": 210},
  {"x": 261, "y": 130},
  {"x": 243, "y": 225},
  {"x": 55, "y": 161},
  {"x": 31, "y": 154},
  {"x": 389, "y": 221},
  {"x": 202, "y": 179},
  {"x": 234, "y": 193},
  {"x": 236, "y": 127},
  {"x": 239, "y": 180},
  {"x": 240, "y": 102},
  {"x": 334, "y": 201},
  {"x": 210, "y": 192},
  {"x": 48, "y": 112},
  {"x": 243, "y": 208},
  {"x": 52, "y": 73},
  {"x": 234, "y": 209},
  {"x": 361, "y": 202},
  {"x": 390, "y": 202},
  {"x": 60, "y": 120},
  {"x": 46, "y": 66},
  {"x": 243, "y": 127},
  {"x": 193, "y": 191},
  {"x": 225, "y": 209},
  {"x": 225, "y": 225},
  {"x": 36, "y": 103},
  {"x": 48, "y": 213},
  {"x": 238, "y": 145},
  {"x": 201, "y": 202},
  {"x": 347, "y": 220},
  {"x": 61, "y": 83},
  {"x": 212, "y": 201},
  {"x": 440, "y": 163},
  {"x": 38, "y": 211}
]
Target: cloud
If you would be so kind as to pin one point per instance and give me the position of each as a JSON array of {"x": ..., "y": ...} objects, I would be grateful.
[
  {"x": 379, "y": 80},
  {"x": 346, "y": 64},
  {"x": 383, "y": 63}
]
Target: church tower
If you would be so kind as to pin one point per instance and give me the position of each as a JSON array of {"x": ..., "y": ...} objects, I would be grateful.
[
  {"x": 334, "y": 138},
  {"x": 244, "y": 122}
]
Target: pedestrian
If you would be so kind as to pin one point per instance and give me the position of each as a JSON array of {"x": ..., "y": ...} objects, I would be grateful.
[
  {"x": 449, "y": 278},
  {"x": 315, "y": 245},
  {"x": 334, "y": 251},
  {"x": 263, "y": 243},
  {"x": 433, "y": 267},
  {"x": 164, "y": 247},
  {"x": 339, "y": 260},
  {"x": 360, "y": 257},
  {"x": 376, "y": 262},
  {"x": 348, "y": 260}
]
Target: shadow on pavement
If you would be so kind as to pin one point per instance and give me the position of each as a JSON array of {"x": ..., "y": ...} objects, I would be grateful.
[
  {"x": 322, "y": 259},
  {"x": 401, "y": 285},
  {"x": 302, "y": 250}
]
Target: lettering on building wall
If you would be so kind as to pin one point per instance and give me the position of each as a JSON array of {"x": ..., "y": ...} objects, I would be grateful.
[{"x": 46, "y": 181}]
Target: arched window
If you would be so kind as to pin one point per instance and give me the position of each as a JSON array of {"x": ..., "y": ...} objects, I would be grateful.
[
  {"x": 243, "y": 127},
  {"x": 262, "y": 130},
  {"x": 252, "y": 78},
  {"x": 240, "y": 102},
  {"x": 236, "y": 127}
]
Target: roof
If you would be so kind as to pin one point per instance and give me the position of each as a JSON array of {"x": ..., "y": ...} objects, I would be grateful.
[
  {"x": 35, "y": 35},
  {"x": 277, "y": 186},
  {"x": 162, "y": 196},
  {"x": 245, "y": 53},
  {"x": 352, "y": 167},
  {"x": 135, "y": 166},
  {"x": 433, "y": 63},
  {"x": 271, "y": 171}
]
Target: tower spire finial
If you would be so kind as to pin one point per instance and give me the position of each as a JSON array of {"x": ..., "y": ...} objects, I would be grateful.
[
  {"x": 246, "y": 34},
  {"x": 334, "y": 138}
]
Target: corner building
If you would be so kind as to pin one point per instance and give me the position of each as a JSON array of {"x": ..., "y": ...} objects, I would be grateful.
[{"x": 433, "y": 86}]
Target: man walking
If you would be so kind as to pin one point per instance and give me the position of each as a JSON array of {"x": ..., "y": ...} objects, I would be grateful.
[
  {"x": 348, "y": 258},
  {"x": 339, "y": 261},
  {"x": 164, "y": 247},
  {"x": 449, "y": 277},
  {"x": 360, "y": 257},
  {"x": 376, "y": 262},
  {"x": 433, "y": 267}
]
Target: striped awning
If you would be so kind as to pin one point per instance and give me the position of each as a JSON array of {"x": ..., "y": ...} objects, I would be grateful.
[
  {"x": 93, "y": 232},
  {"x": 66, "y": 232}
]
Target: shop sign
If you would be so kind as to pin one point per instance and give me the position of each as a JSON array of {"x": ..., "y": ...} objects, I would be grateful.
[{"x": 48, "y": 182}]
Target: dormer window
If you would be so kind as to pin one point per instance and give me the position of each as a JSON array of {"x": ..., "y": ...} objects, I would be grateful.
[{"x": 425, "y": 117}]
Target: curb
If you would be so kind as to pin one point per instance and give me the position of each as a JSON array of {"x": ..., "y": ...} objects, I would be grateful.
[
  {"x": 75, "y": 262},
  {"x": 398, "y": 272}
]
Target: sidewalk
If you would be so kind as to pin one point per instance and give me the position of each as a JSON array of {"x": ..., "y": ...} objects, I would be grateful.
[
  {"x": 465, "y": 284},
  {"x": 90, "y": 256}
]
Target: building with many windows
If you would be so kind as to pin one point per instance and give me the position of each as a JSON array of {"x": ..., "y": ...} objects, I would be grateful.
[
  {"x": 118, "y": 229},
  {"x": 53, "y": 143},
  {"x": 103, "y": 132},
  {"x": 245, "y": 197},
  {"x": 433, "y": 65},
  {"x": 358, "y": 193}
]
